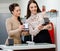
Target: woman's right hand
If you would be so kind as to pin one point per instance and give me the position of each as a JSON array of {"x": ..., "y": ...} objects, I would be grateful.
[{"x": 21, "y": 27}]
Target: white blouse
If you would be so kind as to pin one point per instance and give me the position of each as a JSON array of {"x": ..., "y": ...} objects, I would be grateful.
[{"x": 34, "y": 21}]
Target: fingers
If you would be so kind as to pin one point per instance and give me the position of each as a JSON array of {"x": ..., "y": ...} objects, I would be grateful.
[
  {"x": 21, "y": 27},
  {"x": 25, "y": 33},
  {"x": 40, "y": 27}
]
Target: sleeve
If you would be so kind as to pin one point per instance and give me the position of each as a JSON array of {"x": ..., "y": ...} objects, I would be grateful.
[
  {"x": 9, "y": 28},
  {"x": 33, "y": 31}
]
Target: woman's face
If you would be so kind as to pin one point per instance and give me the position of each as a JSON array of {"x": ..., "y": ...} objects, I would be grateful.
[
  {"x": 17, "y": 11},
  {"x": 33, "y": 8}
]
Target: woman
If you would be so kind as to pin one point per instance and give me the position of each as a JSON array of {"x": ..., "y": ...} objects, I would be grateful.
[
  {"x": 14, "y": 25},
  {"x": 35, "y": 20}
]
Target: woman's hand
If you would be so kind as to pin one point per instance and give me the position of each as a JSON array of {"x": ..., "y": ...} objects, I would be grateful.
[
  {"x": 21, "y": 27},
  {"x": 48, "y": 26},
  {"x": 40, "y": 27},
  {"x": 25, "y": 33}
]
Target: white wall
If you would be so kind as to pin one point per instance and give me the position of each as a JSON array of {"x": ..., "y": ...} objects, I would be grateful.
[
  {"x": 23, "y": 5},
  {"x": 4, "y": 5},
  {"x": 58, "y": 34}
]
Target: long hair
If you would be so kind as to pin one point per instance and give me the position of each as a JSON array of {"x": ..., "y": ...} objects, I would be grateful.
[
  {"x": 19, "y": 19},
  {"x": 28, "y": 11}
]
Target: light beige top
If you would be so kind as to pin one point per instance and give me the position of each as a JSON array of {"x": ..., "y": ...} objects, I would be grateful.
[
  {"x": 35, "y": 21},
  {"x": 13, "y": 31}
]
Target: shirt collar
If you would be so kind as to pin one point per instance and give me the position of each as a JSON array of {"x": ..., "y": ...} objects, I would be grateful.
[{"x": 33, "y": 14}]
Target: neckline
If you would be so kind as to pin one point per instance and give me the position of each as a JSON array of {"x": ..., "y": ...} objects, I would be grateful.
[{"x": 33, "y": 14}]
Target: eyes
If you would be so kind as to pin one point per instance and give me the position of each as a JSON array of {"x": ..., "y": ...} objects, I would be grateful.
[
  {"x": 18, "y": 10},
  {"x": 33, "y": 7}
]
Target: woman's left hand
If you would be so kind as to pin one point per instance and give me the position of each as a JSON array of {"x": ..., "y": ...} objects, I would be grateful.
[{"x": 48, "y": 26}]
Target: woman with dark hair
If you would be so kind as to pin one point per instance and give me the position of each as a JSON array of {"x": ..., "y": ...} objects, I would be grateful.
[
  {"x": 14, "y": 25},
  {"x": 35, "y": 18},
  {"x": 28, "y": 10}
]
